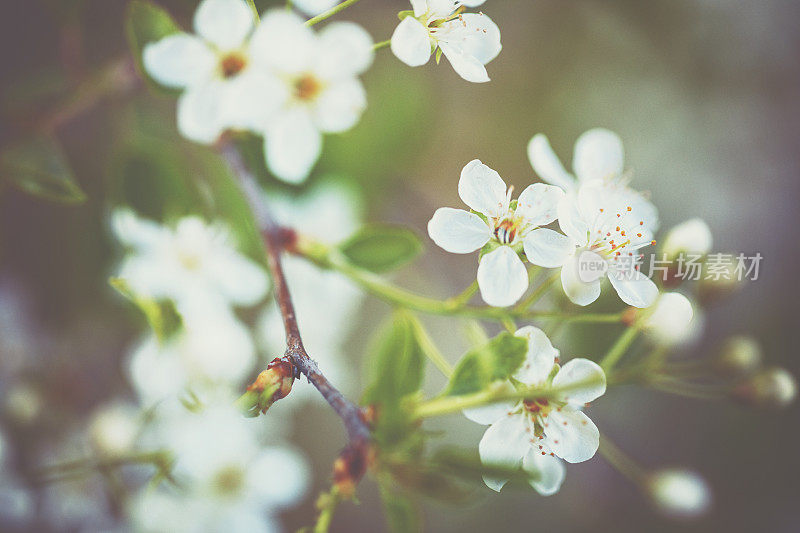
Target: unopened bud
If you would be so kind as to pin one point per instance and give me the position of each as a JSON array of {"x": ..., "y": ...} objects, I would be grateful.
[
  {"x": 772, "y": 387},
  {"x": 349, "y": 468},
  {"x": 270, "y": 386},
  {"x": 739, "y": 356},
  {"x": 114, "y": 428},
  {"x": 670, "y": 321},
  {"x": 690, "y": 237},
  {"x": 679, "y": 493}
]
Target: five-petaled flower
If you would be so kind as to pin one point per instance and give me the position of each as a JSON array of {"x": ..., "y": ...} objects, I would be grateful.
[
  {"x": 222, "y": 87},
  {"x": 320, "y": 93},
  {"x": 536, "y": 432},
  {"x": 502, "y": 277},
  {"x": 468, "y": 40}
]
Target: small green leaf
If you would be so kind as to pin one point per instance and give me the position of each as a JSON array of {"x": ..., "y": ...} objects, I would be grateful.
[
  {"x": 161, "y": 316},
  {"x": 146, "y": 22},
  {"x": 402, "y": 516},
  {"x": 399, "y": 362},
  {"x": 380, "y": 248},
  {"x": 38, "y": 166},
  {"x": 404, "y": 14},
  {"x": 482, "y": 366}
]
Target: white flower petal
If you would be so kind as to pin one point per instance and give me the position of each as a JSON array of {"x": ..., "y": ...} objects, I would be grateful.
[
  {"x": 482, "y": 189},
  {"x": 598, "y": 155},
  {"x": 292, "y": 144},
  {"x": 340, "y": 106},
  {"x": 503, "y": 445},
  {"x": 549, "y": 472},
  {"x": 489, "y": 414},
  {"x": 474, "y": 34},
  {"x": 633, "y": 287},
  {"x": 502, "y": 277},
  {"x": 472, "y": 3},
  {"x": 465, "y": 65},
  {"x": 179, "y": 60},
  {"x": 547, "y": 248},
  {"x": 577, "y": 291},
  {"x": 670, "y": 321},
  {"x": 251, "y": 98},
  {"x": 692, "y": 236},
  {"x": 420, "y": 7},
  {"x": 344, "y": 50},
  {"x": 538, "y": 204},
  {"x": 282, "y": 42},
  {"x": 539, "y": 359},
  {"x": 458, "y": 231},
  {"x": 571, "y": 435},
  {"x": 411, "y": 43},
  {"x": 200, "y": 112},
  {"x": 547, "y": 165},
  {"x": 240, "y": 280},
  {"x": 571, "y": 219},
  {"x": 314, "y": 7},
  {"x": 226, "y": 23},
  {"x": 139, "y": 233},
  {"x": 440, "y": 8},
  {"x": 279, "y": 463},
  {"x": 586, "y": 380}
]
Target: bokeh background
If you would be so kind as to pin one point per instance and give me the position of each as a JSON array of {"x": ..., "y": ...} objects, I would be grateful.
[{"x": 703, "y": 93}]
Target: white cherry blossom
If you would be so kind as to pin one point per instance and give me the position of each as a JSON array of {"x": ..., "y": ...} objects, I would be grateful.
[
  {"x": 679, "y": 493},
  {"x": 321, "y": 90},
  {"x": 468, "y": 40},
  {"x": 222, "y": 88},
  {"x": 671, "y": 319},
  {"x": 502, "y": 276},
  {"x": 535, "y": 433},
  {"x": 691, "y": 237},
  {"x": 598, "y": 155},
  {"x": 604, "y": 228},
  {"x": 193, "y": 261}
]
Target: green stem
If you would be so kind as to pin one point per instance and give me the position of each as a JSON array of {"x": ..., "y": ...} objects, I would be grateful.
[
  {"x": 499, "y": 393},
  {"x": 475, "y": 333},
  {"x": 538, "y": 292},
  {"x": 327, "y": 504},
  {"x": 331, "y": 12},
  {"x": 159, "y": 458},
  {"x": 621, "y": 461},
  {"x": 382, "y": 44},
  {"x": 429, "y": 347},
  {"x": 619, "y": 348},
  {"x": 463, "y": 298},
  {"x": 254, "y": 9}
]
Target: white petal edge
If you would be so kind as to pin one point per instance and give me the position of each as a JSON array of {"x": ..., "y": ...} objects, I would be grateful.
[
  {"x": 458, "y": 231},
  {"x": 503, "y": 445},
  {"x": 340, "y": 106},
  {"x": 588, "y": 379},
  {"x": 482, "y": 189},
  {"x": 179, "y": 61},
  {"x": 571, "y": 435},
  {"x": 345, "y": 50},
  {"x": 547, "y": 165},
  {"x": 598, "y": 155},
  {"x": 465, "y": 65},
  {"x": 411, "y": 42},
  {"x": 200, "y": 112},
  {"x": 226, "y": 23},
  {"x": 292, "y": 145},
  {"x": 538, "y": 203},
  {"x": 502, "y": 278},
  {"x": 539, "y": 359},
  {"x": 547, "y": 472},
  {"x": 547, "y": 248},
  {"x": 634, "y": 288},
  {"x": 577, "y": 291}
]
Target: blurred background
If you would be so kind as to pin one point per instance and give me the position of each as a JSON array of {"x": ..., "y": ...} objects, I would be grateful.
[{"x": 704, "y": 95}]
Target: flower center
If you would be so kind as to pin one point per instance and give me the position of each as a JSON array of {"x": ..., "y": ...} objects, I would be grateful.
[
  {"x": 232, "y": 64},
  {"x": 307, "y": 87},
  {"x": 229, "y": 481},
  {"x": 506, "y": 230},
  {"x": 538, "y": 407}
]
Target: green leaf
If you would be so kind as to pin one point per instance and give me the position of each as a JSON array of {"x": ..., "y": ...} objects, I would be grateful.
[
  {"x": 146, "y": 22},
  {"x": 38, "y": 166},
  {"x": 161, "y": 316},
  {"x": 482, "y": 366},
  {"x": 404, "y": 14},
  {"x": 399, "y": 362},
  {"x": 380, "y": 248},
  {"x": 402, "y": 515}
]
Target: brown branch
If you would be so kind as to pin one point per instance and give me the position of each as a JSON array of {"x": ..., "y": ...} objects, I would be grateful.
[{"x": 352, "y": 462}]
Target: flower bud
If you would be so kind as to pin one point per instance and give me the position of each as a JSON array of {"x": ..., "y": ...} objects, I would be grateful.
[
  {"x": 690, "y": 237},
  {"x": 270, "y": 386},
  {"x": 739, "y": 356},
  {"x": 113, "y": 429},
  {"x": 714, "y": 288},
  {"x": 678, "y": 493},
  {"x": 772, "y": 387},
  {"x": 670, "y": 321}
]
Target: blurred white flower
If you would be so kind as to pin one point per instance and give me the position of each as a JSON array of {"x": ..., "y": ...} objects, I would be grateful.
[
  {"x": 321, "y": 89},
  {"x": 222, "y": 88},
  {"x": 739, "y": 355},
  {"x": 314, "y": 7},
  {"x": 214, "y": 350},
  {"x": 537, "y": 432},
  {"x": 502, "y": 277},
  {"x": 670, "y": 320},
  {"x": 114, "y": 428},
  {"x": 679, "y": 493},
  {"x": 771, "y": 387},
  {"x": 468, "y": 40},
  {"x": 605, "y": 227},
  {"x": 195, "y": 260},
  {"x": 690, "y": 237},
  {"x": 598, "y": 155},
  {"x": 230, "y": 481},
  {"x": 16, "y": 504}
]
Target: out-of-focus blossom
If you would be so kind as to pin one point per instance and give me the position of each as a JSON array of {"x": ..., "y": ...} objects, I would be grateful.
[
  {"x": 314, "y": 7},
  {"x": 16, "y": 504},
  {"x": 605, "y": 228},
  {"x": 502, "y": 276},
  {"x": 321, "y": 89},
  {"x": 739, "y": 355},
  {"x": 772, "y": 387},
  {"x": 229, "y": 481},
  {"x": 23, "y": 402},
  {"x": 222, "y": 87},
  {"x": 114, "y": 428},
  {"x": 598, "y": 155},
  {"x": 190, "y": 262},
  {"x": 536, "y": 432},
  {"x": 690, "y": 237},
  {"x": 468, "y": 40},
  {"x": 671, "y": 319},
  {"x": 679, "y": 493}
]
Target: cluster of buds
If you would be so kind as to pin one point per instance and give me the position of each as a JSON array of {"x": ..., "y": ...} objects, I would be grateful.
[{"x": 270, "y": 386}]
